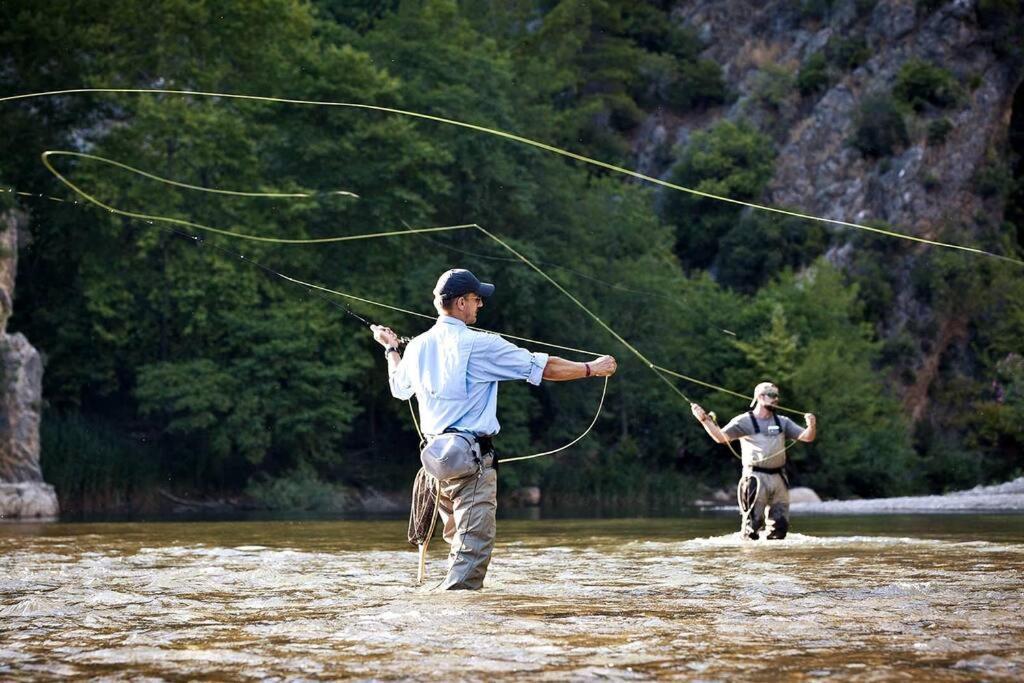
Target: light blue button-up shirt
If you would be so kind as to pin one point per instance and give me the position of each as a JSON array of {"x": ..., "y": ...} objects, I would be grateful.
[{"x": 454, "y": 372}]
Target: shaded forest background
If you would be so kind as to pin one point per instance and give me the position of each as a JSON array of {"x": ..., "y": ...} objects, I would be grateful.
[{"x": 171, "y": 365}]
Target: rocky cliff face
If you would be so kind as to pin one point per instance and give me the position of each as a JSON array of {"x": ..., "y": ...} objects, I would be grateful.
[
  {"x": 817, "y": 170},
  {"x": 23, "y": 493},
  {"x": 927, "y": 187}
]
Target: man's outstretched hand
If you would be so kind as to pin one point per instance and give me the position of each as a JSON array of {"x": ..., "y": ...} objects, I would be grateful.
[
  {"x": 385, "y": 336},
  {"x": 605, "y": 366}
]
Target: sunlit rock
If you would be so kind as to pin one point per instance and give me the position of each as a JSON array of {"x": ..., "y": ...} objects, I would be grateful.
[
  {"x": 22, "y": 490},
  {"x": 724, "y": 496},
  {"x": 803, "y": 494},
  {"x": 28, "y": 500}
]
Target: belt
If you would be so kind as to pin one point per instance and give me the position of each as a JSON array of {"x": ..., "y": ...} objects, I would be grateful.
[
  {"x": 486, "y": 442},
  {"x": 769, "y": 470}
]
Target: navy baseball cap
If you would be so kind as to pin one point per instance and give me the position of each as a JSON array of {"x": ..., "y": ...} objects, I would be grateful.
[{"x": 458, "y": 282}]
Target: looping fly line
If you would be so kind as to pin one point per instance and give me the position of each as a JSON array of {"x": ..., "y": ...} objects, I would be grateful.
[
  {"x": 206, "y": 228},
  {"x": 515, "y": 138},
  {"x": 153, "y": 219},
  {"x": 660, "y": 372}
]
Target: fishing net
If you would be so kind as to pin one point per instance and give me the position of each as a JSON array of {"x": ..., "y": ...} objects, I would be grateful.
[{"x": 423, "y": 509}]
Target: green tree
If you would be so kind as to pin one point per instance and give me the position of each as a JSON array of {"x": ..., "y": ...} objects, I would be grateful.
[
  {"x": 919, "y": 84},
  {"x": 195, "y": 343},
  {"x": 762, "y": 245},
  {"x": 731, "y": 160},
  {"x": 863, "y": 446},
  {"x": 773, "y": 355},
  {"x": 813, "y": 76},
  {"x": 588, "y": 69},
  {"x": 879, "y": 127},
  {"x": 972, "y": 434},
  {"x": 276, "y": 390}
]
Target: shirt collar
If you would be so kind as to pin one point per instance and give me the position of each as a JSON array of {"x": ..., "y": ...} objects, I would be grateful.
[{"x": 449, "y": 320}]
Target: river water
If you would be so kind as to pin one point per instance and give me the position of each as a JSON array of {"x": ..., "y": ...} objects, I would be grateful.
[{"x": 851, "y": 598}]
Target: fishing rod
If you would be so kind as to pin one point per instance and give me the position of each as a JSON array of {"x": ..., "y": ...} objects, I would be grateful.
[
  {"x": 198, "y": 240},
  {"x": 321, "y": 292},
  {"x": 313, "y": 289},
  {"x": 661, "y": 372}
]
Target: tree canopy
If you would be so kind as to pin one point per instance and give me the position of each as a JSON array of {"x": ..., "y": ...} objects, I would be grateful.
[{"x": 230, "y": 376}]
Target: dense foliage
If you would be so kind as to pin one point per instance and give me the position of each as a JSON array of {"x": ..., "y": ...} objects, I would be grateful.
[
  {"x": 173, "y": 362},
  {"x": 920, "y": 84}
]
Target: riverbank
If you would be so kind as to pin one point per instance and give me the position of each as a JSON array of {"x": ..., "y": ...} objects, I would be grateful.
[{"x": 1007, "y": 497}]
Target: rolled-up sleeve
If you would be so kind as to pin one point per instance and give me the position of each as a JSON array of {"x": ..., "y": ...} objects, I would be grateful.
[
  {"x": 401, "y": 386},
  {"x": 793, "y": 430},
  {"x": 494, "y": 359}
]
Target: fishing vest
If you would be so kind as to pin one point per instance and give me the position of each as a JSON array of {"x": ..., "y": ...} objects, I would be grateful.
[{"x": 764, "y": 448}]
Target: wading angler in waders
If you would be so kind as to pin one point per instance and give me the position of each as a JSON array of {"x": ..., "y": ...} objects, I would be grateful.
[
  {"x": 454, "y": 373},
  {"x": 762, "y": 434}
]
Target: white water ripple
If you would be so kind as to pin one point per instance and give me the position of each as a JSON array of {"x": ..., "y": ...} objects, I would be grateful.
[{"x": 578, "y": 600}]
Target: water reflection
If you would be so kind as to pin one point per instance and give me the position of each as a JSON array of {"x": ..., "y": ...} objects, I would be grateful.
[{"x": 858, "y": 598}]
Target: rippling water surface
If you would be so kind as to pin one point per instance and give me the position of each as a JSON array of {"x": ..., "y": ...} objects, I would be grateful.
[{"x": 851, "y": 598}]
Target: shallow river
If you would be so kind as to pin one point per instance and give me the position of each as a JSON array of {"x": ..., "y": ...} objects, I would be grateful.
[{"x": 868, "y": 598}]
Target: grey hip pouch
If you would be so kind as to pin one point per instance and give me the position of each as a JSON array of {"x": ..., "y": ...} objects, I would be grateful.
[{"x": 450, "y": 456}]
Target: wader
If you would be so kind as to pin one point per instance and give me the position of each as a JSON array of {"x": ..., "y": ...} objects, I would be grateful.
[
  {"x": 467, "y": 506},
  {"x": 762, "y": 488}
]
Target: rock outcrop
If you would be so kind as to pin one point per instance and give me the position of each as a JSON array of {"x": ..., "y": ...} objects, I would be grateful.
[
  {"x": 927, "y": 187},
  {"x": 23, "y": 493},
  {"x": 817, "y": 170}
]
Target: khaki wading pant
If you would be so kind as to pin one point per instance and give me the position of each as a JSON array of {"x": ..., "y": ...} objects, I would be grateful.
[
  {"x": 467, "y": 507},
  {"x": 757, "y": 491}
]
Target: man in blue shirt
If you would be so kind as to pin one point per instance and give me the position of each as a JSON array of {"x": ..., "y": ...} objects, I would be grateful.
[{"x": 454, "y": 372}]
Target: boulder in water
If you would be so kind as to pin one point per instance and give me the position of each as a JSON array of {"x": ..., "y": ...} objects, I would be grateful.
[
  {"x": 803, "y": 494},
  {"x": 28, "y": 500}
]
